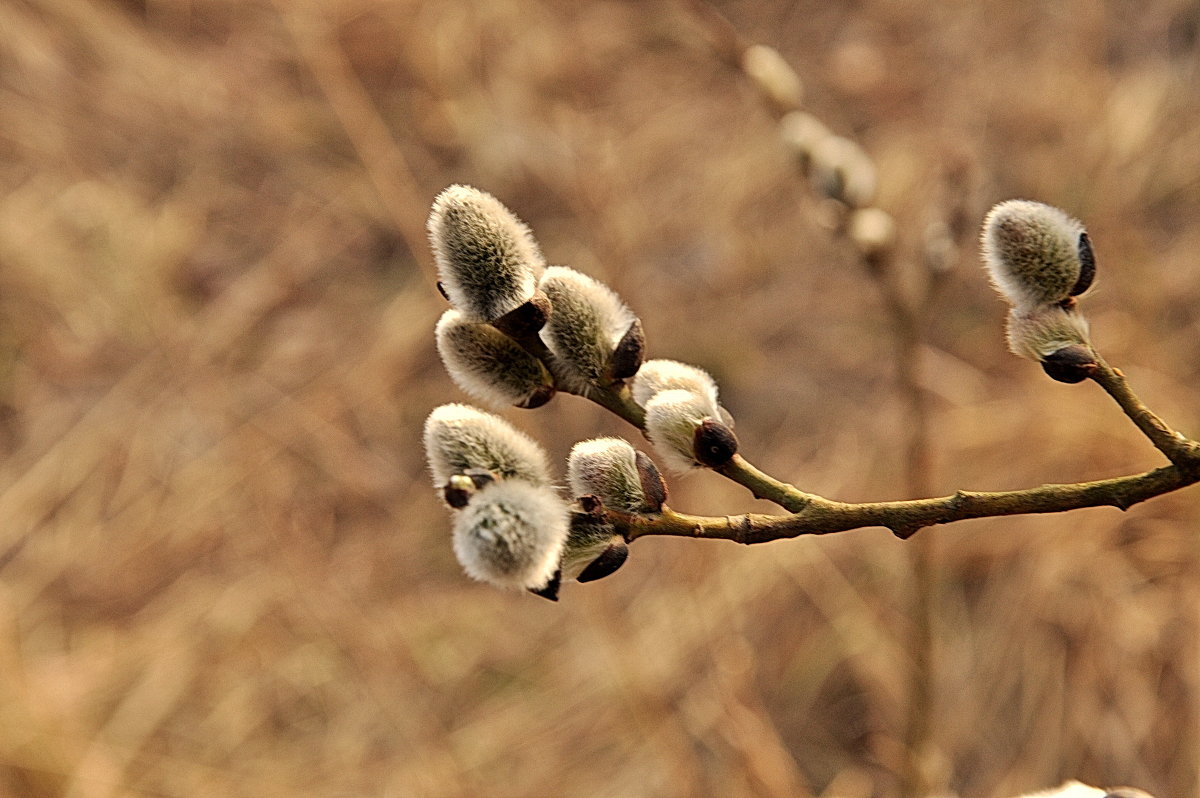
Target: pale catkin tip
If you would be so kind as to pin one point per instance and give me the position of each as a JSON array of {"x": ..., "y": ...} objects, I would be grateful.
[
  {"x": 659, "y": 375},
  {"x": 486, "y": 257},
  {"x": 512, "y": 534},
  {"x": 672, "y": 418},
  {"x": 487, "y": 364},
  {"x": 459, "y": 438},
  {"x": 587, "y": 323},
  {"x": 1035, "y": 254},
  {"x": 607, "y": 468},
  {"x": 1039, "y": 331}
]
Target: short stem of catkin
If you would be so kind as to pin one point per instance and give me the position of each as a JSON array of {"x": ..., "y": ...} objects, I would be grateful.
[{"x": 1182, "y": 452}]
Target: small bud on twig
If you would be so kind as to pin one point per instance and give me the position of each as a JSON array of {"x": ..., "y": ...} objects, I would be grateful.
[
  {"x": 714, "y": 443},
  {"x": 1070, "y": 364}
]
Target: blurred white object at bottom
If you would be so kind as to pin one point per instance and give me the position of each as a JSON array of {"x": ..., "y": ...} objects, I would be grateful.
[{"x": 1075, "y": 789}]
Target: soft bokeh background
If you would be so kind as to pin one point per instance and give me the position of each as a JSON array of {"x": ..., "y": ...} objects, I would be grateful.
[{"x": 223, "y": 570}]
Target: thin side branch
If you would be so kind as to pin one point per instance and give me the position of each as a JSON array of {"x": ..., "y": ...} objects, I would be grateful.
[{"x": 1178, "y": 449}]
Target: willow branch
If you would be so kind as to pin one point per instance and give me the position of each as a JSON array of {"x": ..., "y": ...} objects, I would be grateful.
[
  {"x": 904, "y": 518},
  {"x": 1181, "y": 451}
]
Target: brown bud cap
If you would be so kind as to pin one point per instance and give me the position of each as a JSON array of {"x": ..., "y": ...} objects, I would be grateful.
[
  {"x": 1087, "y": 266},
  {"x": 461, "y": 487},
  {"x": 627, "y": 357},
  {"x": 607, "y": 563},
  {"x": 539, "y": 397},
  {"x": 1070, "y": 364},
  {"x": 654, "y": 489},
  {"x": 525, "y": 319},
  {"x": 714, "y": 443},
  {"x": 457, "y": 491},
  {"x": 592, "y": 505}
]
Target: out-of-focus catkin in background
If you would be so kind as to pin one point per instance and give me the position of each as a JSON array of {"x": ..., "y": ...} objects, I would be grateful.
[{"x": 223, "y": 570}]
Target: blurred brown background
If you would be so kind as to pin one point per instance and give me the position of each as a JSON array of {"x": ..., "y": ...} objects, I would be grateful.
[{"x": 223, "y": 570}]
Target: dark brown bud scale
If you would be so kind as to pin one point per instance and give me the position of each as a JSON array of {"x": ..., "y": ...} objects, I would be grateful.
[
  {"x": 1071, "y": 364},
  {"x": 654, "y": 489},
  {"x": 461, "y": 487},
  {"x": 627, "y": 358},
  {"x": 540, "y": 396},
  {"x": 714, "y": 444},
  {"x": 550, "y": 591},
  {"x": 1087, "y": 266},
  {"x": 606, "y": 564},
  {"x": 526, "y": 319},
  {"x": 591, "y": 504},
  {"x": 456, "y": 496}
]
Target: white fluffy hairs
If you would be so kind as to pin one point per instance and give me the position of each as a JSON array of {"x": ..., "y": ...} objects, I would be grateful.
[
  {"x": 486, "y": 257},
  {"x": 511, "y": 534},
  {"x": 459, "y": 437}
]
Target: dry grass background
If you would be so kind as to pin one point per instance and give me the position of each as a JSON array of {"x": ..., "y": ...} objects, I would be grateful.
[{"x": 223, "y": 571}]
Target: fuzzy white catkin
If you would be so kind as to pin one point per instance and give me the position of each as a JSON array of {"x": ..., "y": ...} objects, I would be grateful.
[
  {"x": 486, "y": 257},
  {"x": 459, "y": 437},
  {"x": 660, "y": 375},
  {"x": 671, "y": 420},
  {"x": 1031, "y": 251},
  {"x": 607, "y": 468},
  {"x": 1038, "y": 331},
  {"x": 587, "y": 322},
  {"x": 486, "y": 363},
  {"x": 511, "y": 535}
]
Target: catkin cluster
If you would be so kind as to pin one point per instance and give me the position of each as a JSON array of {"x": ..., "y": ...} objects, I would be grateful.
[
  {"x": 518, "y": 331},
  {"x": 1040, "y": 259}
]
